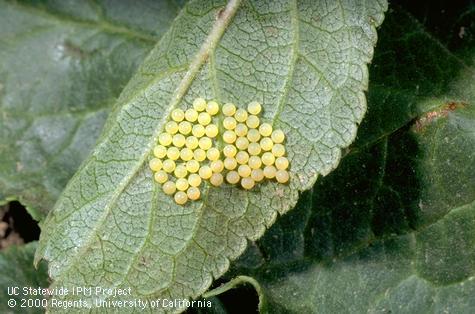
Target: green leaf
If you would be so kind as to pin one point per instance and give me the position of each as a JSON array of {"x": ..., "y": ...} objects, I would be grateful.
[
  {"x": 393, "y": 228},
  {"x": 17, "y": 270},
  {"x": 305, "y": 61},
  {"x": 62, "y": 66}
]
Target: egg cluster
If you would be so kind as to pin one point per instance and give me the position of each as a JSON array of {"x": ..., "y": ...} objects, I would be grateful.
[{"x": 187, "y": 152}]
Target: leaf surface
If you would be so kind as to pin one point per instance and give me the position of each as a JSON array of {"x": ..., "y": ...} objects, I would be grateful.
[
  {"x": 17, "y": 270},
  {"x": 62, "y": 66},
  {"x": 305, "y": 61},
  {"x": 401, "y": 237}
]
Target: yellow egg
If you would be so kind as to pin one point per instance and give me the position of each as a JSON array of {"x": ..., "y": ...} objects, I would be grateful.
[
  {"x": 278, "y": 150},
  {"x": 178, "y": 115},
  {"x": 173, "y": 153},
  {"x": 242, "y": 143},
  {"x": 244, "y": 171},
  {"x": 205, "y": 172},
  {"x": 282, "y": 176},
  {"x": 199, "y": 104},
  {"x": 180, "y": 171},
  {"x": 281, "y": 163},
  {"x": 184, "y": 127},
  {"x": 240, "y": 115},
  {"x": 171, "y": 127},
  {"x": 230, "y": 163},
  {"x": 229, "y": 109},
  {"x": 168, "y": 165},
  {"x": 254, "y": 107},
  {"x": 217, "y": 166},
  {"x": 265, "y": 129},
  {"x": 155, "y": 164},
  {"x": 178, "y": 140},
  {"x": 268, "y": 159},
  {"x": 211, "y": 130},
  {"x": 229, "y": 137},
  {"x": 229, "y": 123},
  {"x": 257, "y": 175},
  {"x": 169, "y": 187},
  {"x": 191, "y": 115},
  {"x": 278, "y": 136},
  {"x": 198, "y": 130},
  {"x": 252, "y": 122},
  {"x": 194, "y": 180},
  {"x": 266, "y": 144},
  {"x": 186, "y": 154},
  {"x": 165, "y": 139},
  {"x": 232, "y": 177},
  {"x": 161, "y": 176},
  {"x": 192, "y": 166},
  {"x": 254, "y": 149},
  {"x": 205, "y": 143},
  {"x": 193, "y": 193},
  {"x": 212, "y": 108},
  {"x": 199, "y": 154},
  {"x": 160, "y": 151},
  {"x": 182, "y": 184},
  {"x": 269, "y": 172},
  {"x": 230, "y": 150},
  {"x": 253, "y": 135},
  {"x": 242, "y": 157},
  {"x": 180, "y": 197},
  {"x": 216, "y": 179},
  {"x": 191, "y": 142},
  {"x": 255, "y": 162},
  {"x": 247, "y": 183},
  {"x": 212, "y": 154},
  {"x": 241, "y": 129},
  {"x": 204, "y": 118}
]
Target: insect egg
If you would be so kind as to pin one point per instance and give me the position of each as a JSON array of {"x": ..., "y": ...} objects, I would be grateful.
[
  {"x": 180, "y": 197},
  {"x": 205, "y": 172},
  {"x": 242, "y": 157},
  {"x": 265, "y": 129},
  {"x": 212, "y": 154},
  {"x": 241, "y": 129},
  {"x": 230, "y": 163},
  {"x": 229, "y": 123},
  {"x": 253, "y": 135},
  {"x": 268, "y": 159},
  {"x": 217, "y": 166},
  {"x": 232, "y": 177},
  {"x": 191, "y": 115},
  {"x": 165, "y": 139},
  {"x": 216, "y": 179},
  {"x": 244, "y": 171},
  {"x": 169, "y": 187},
  {"x": 204, "y": 118},
  {"x": 192, "y": 166},
  {"x": 194, "y": 180},
  {"x": 266, "y": 144},
  {"x": 168, "y": 165},
  {"x": 240, "y": 115},
  {"x": 229, "y": 109},
  {"x": 178, "y": 140},
  {"x": 278, "y": 136},
  {"x": 155, "y": 164},
  {"x": 205, "y": 143},
  {"x": 252, "y": 121},
  {"x": 229, "y": 137},
  {"x": 180, "y": 171},
  {"x": 242, "y": 143},
  {"x": 173, "y": 153},
  {"x": 182, "y": 184},
  {"x": 254, "y": 108},
  {"x": 160, "y": 151},
  {"x": 191, "y": 142},
  {"x": 282, "y": 176},
  {"x": 247, "y": 183},
  {"x": 193, "y": 193},
  {"x": 281, "y": 163},
  {"x": 161, "y": 176},
  {"x": 199, "y": 104},
  {"x": 211, "y": 130},
  {"x": 198, "y": 130},
  {"x": 255, "y": 162},
  {"x": 199, "y": 154},
  {"x": 186, "y": 154},
  {"x": 254, "y": 149},
  {"x": 229, "y": 151},
  {"x": 171, "y": 127},
  {"x": 269, "y": 172},
  {"x": 212, "y": 108},
  {"x": 184, "y": 127},
  {"x": 178, "y": 115},
  {"x": 257, "y": 175},
  {"x": 278, "y": 150}
]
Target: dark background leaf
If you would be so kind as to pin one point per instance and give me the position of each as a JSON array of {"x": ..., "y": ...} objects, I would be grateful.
[
  {"x": 62, "y": 65},
  {"x": 393, "y": 228}
]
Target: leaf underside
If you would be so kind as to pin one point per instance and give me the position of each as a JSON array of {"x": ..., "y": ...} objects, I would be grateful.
[
  {"x": 62, "y": 66},
  {"x": 401, "y": 237},
  {"x": 305, "y": 61}
]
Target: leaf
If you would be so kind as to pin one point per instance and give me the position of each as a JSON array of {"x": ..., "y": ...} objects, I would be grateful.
[
  {"x": 17, "y": 270},
  {"x": 305, "y": 61},
  {"x": 62, "y": 65},
  {"x": 401, "y": 237}
]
